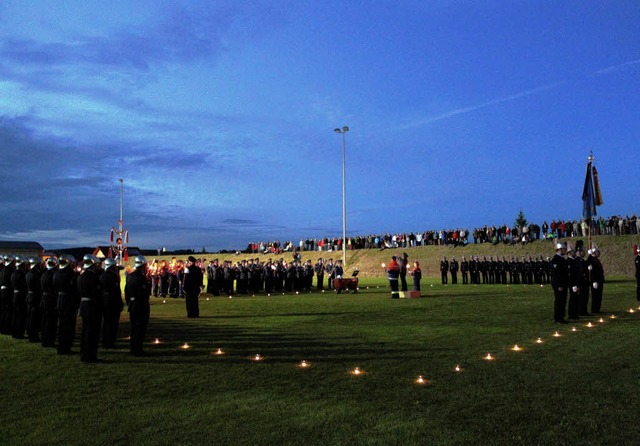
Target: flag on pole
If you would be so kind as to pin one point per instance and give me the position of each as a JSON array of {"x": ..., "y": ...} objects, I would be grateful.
[
  {"x": 596, "y": 186},
  {"x": 591, "y": 194}
]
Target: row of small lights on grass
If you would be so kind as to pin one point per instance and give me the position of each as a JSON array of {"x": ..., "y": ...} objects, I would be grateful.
[{"x": 420, "y": 380}]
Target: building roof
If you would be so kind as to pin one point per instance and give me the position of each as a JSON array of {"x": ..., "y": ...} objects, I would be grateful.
[{"x": 6, "y": 244}]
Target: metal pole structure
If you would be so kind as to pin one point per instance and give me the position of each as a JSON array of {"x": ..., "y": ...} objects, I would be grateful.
[
  {"x": 343, "y": 131},
  {"x": 120, "y": 249}
]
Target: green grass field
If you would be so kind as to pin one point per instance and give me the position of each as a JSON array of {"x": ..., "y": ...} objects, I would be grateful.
[{"x": 580, "y": 388}]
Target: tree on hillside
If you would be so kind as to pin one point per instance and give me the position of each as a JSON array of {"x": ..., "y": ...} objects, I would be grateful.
[{"x": 521, "y": 220}]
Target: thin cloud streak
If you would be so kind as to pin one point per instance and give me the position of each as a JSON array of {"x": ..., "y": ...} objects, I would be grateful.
[{"x": 471, "y": 108}]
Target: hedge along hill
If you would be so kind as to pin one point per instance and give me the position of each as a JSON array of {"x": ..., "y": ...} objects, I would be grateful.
[{"x": 616, "y": 255}]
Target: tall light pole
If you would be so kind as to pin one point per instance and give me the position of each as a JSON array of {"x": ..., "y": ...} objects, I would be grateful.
[{"x": 343, "y": 131}]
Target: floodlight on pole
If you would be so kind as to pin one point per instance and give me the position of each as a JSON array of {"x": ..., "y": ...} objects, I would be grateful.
[{"x": 343, "y": 131}]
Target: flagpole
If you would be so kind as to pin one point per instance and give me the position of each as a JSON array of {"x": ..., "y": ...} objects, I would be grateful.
[{"x": 590, "y": 159}]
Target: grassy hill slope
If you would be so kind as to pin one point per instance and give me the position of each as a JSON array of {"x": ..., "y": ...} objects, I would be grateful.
[{"x": 617, "y": 255}]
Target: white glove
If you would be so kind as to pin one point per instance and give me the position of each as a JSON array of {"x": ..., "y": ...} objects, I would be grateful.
[
  {"x": 595, "y": 285},
  {"x": 574, "y": 289},
  {"x": 590, "y": 267}
]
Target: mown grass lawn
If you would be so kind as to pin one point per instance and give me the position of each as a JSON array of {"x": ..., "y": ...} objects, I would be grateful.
[{"x": 580, "y": 388}]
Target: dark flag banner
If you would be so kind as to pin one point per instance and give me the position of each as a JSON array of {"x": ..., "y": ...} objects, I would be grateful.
[
  {"x": 591, "y": 194},
  {"x": 596, "y": 186}
]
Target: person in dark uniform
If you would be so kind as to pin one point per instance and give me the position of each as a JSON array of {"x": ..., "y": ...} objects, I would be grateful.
[
  {"x": 559, "y": 282},
  {"x": 6, "y": 295},
  {"x": 328, "y": 270},
  {"x": 213, "y": 276},
  {"x": 48, "y": 304},
  {"x": 597, "y": 279},
  {"x": 193, "y": 286},
  {"x": 112, "y": 302},
  {"x": 308, "y": 275},
  {"x": 34, "y": 298},
  {"x": 504, "y": 270},
  {"x": 404, "y": 262},
  {"x": 64, "y": 286},
  {"x": 393, "y": 272},
  {"x": 464, "y": 269},
  {"x": 416, "y": 273},
  {"x": 136, "y": 294},
  {"x": 454, "y": 266},
  {"x": 637, "y": 262},
  {"x": 473, "y": 270},
  {"x": 484, "y": 267},
  {"x": 584, "y": 280},
  {"x": 19, "y": 284},
  {"x": 574, "y": 270},
  {"x": 319, "y": 270},
  {"x": 91, "y": 308},
  {"x": 268, "y": 272},
  {"x": 444, "y": 270}
]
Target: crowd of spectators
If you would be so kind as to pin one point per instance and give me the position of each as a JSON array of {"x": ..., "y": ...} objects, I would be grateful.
[{"x": 614, "y": 225}]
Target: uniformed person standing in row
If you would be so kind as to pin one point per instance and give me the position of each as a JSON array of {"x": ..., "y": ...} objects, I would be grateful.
[
  {"x": 193, "y": 286},
  {"x": 453, "y": 268},
  {"x": 319, "y": 270},
  {"x": 444, "y": 269},
  {"x": 34, "y": 298},
  {"x": 328, "y": 270},
  {"x": 64, "y": 285},
  {"x": 637, "y": 262},
  {"x": 597, "y": 279},
  {"x": 559, "y": 283},
  {"x": 584, "y": 286},
  {"x": 6, "y": 295},
  {"x": 49, "y": 303},
  {"x": 112, "y": 302},
  {"x": 19, "y": 284},
  {"x": 91, "y": 307},
  {"x": 464, "y": 269},
  {"x": 136, "y": 292},
  {"x": 574, "y": 270}
]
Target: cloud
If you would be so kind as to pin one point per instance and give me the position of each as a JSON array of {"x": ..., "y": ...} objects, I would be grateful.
[
  {"x": 618, "y": 67},
  {"x": 471, "y": 108}
]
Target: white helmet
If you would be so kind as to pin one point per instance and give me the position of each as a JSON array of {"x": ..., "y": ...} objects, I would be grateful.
[
  {"x": 89, "y": 260},
  {"x": 140, "y": 261},
  {"x": 109, "y": 262},
  {"x": 52, "y": 262},
  {"x": 66, "y": 260}
]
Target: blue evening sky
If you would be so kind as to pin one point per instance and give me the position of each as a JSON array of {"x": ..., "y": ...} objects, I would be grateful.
[{"x": 219, "y": 116}]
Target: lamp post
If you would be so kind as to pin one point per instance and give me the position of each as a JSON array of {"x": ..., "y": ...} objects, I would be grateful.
[{"x": 343, "y": 131}]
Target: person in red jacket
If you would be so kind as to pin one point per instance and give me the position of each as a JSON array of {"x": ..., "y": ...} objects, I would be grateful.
[{"x": 393, "y": 272}]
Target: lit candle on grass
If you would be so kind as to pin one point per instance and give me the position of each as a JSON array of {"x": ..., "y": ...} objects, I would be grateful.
[
  {"x": 517, "y": 348},
  {"x": 539, "y": 341},
  {"x": 574, "y": 329},
  {"x": 218, "y": 352},
  {"x": 157, "y": 341},
  {"x": 601, "y": 320},
  {"x": 257, "y": 358},
  {"x": 304, "y": 364},
  {"x": 590, "y": 325},
  {"x": 185, "y": 346},
  {"x": 631, "y": 310},
  {"x": 488, "y": 357},
  {"x": 421, "y": 381},
  {"x": 357, "y": 371},
  {"x": 457, "y": 368},
  {"x": 613, "y": 316},
  {"x": 556, "y": 335}
]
